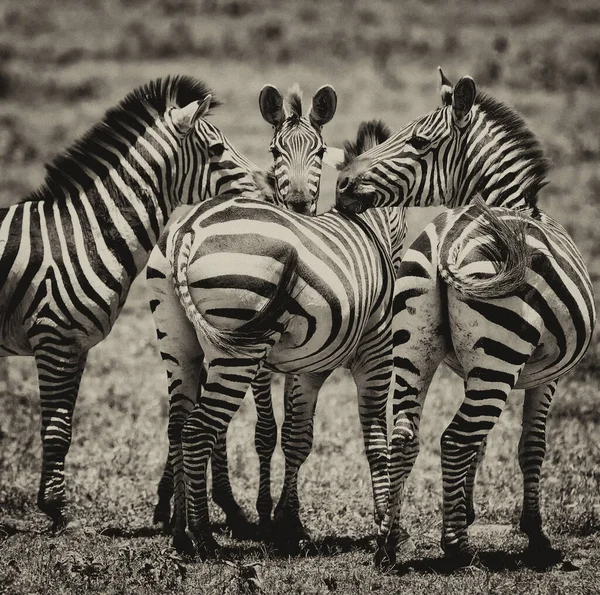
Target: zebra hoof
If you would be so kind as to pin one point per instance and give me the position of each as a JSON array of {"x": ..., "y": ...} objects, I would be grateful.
[
  {"x": 240, "y": 526},
  {"x": 385, "y": 557},
  {"x": 184, "y": 545}
]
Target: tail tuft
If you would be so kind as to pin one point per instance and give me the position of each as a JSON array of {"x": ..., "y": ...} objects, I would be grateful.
[{"x": 484, "y": 254}]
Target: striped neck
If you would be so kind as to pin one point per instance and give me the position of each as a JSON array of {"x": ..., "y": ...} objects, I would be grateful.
[{"x": 503, "y": 161}]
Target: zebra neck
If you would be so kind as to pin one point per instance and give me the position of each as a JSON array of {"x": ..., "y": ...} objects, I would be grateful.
[{"x": 120, "y": 214}]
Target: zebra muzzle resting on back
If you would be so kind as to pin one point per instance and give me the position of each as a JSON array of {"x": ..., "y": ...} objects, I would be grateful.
[
  {"x": 297, "y": 148},
  {"x": 70, "y": 251},
  {"x": 254, "y": 285},
  {"x": 500, "y": 294}
]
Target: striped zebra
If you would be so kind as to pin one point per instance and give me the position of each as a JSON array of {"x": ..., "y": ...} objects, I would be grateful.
[
  {"x": 250, "y": 283},
  {"x": 298, "y": 149},
  {"x": 501, "y": 294},
  {"x": 70, "y": 251}
]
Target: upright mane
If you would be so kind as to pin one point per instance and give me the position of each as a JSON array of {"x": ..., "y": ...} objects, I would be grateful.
[
  {"x": 119, "y": 129},
  {"x": 369, "y": 134},
  {"x": 524, "y": 140},
  {"x": 293, "y": 103}
]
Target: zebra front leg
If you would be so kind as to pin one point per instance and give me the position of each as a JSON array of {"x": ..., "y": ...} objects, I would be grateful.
[
  {"x": 59, "y": 373},
  {"x": 296, "y": 443},
  {"x": 222, "y": 494},
  {"x": 228, "y": 379},
  {"x": 265, "y": 441},
  {"x": 532, "y": 450}
]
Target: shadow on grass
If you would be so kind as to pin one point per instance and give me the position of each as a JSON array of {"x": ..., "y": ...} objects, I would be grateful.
[{"x": 491, "y": 560}]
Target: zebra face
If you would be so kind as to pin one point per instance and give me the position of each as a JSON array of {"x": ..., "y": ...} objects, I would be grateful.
[
  {"x": 418, "y": 166},
  {"x": 297, "y": 146}
]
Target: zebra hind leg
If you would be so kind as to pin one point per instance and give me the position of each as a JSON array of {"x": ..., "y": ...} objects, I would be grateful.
[
  {"x": 532, "y": 450},
  {"x": 222, "y": 494},
  {"x": 225, "y": 388},
  {"x": 470, "y": 482},
  {"x": 59, "y": 373},
  {"x": 162, "y": 510}
]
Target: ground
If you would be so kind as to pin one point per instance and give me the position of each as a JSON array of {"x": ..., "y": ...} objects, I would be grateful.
[{"x": 63, "y": 64}]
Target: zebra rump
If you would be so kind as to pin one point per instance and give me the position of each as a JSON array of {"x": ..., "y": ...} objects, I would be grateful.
[
  {"x": 262, "y": 326},
  {"x": 487, "y": 256}
]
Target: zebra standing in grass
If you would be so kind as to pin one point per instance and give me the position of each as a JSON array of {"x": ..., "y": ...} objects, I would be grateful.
[
  {"x": 297, "y": 148},
  {"x": 250, "y": 284},
  {"x": 70, "y": 251},
  {"x": 502, "y": 294}
]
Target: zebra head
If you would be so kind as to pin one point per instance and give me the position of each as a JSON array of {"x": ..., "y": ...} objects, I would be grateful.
[
  {"x": 297, "y": 146},
  {"x": 209, "y": 164},
  {"x": 472, "y": 145},
  {"x": 412, "y": 168}
]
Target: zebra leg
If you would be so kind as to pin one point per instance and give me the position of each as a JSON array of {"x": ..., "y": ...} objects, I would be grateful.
[
  {"x": 532, "y": 450},
  {"x": 486, "y": 392},
  {"x": 162, "y": 510},
  {"x": 470, "y": 482},
  {"x": 222, "y": 494},
  {"x": 296, "y": 443},
  {"x": 59, "y": 373},
  {"x": 419, "y": 346},
  {"x": 265, "y": 441},
  {"x": 372, "y": 372},
  {"x": 227, "y": 381}
]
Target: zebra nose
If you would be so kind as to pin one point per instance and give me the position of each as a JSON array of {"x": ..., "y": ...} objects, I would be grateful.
[{"x": 343, "y": 183}]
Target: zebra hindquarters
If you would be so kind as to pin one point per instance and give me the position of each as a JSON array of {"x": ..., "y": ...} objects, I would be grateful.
[{"x": 491, "y": 369}]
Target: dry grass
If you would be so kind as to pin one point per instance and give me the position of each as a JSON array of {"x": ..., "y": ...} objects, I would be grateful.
[{"x": 64, "y": 63}]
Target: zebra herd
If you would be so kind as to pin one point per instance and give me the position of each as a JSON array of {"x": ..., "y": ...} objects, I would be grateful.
[{"x": 250, "y": 281}]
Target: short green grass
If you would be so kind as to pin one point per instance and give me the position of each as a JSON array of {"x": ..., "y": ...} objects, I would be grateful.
[{"x": 64, "y": 63}]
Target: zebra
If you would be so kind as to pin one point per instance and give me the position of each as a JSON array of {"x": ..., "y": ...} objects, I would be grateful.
[
  {"x": 499, "y": 292},
  {"x": 298, "y": 148},
  {"x": 250, "y": 283},
  {"x": 70, "y": 250}
]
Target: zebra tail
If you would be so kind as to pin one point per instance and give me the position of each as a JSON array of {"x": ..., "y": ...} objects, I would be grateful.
[
  {"x": 503, "y": 242},
  {"x": 257, "y": 330}
]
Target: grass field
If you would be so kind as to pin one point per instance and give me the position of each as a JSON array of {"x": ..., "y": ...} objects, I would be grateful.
[{"x": 62, "y": 64}]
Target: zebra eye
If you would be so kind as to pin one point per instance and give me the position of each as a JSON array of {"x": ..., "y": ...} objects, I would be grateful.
[
  {"x": 321, "y": 152},
  {"x": 418, "y": 142},
  {"x": 275, "y": 152},
  {"x": 217, "y": 149}
]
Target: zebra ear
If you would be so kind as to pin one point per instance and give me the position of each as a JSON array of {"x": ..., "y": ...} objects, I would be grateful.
[
  {"x": 324, "y": 104},
  {"x": 445, "y": 88},
  {"x": 463, "y": 98},
  {"x": 270, "y": 102},
  {"x": 184, "y": 118},
  {"x": 333, "y": 157}
]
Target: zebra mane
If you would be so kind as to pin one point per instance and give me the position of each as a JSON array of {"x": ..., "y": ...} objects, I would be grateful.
[
  {"x": 293, "y": 103},
  {"x": 120, "y": 122},
  {"x": 369, "y": 134},
  {"x": 525, "y": 140}
]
